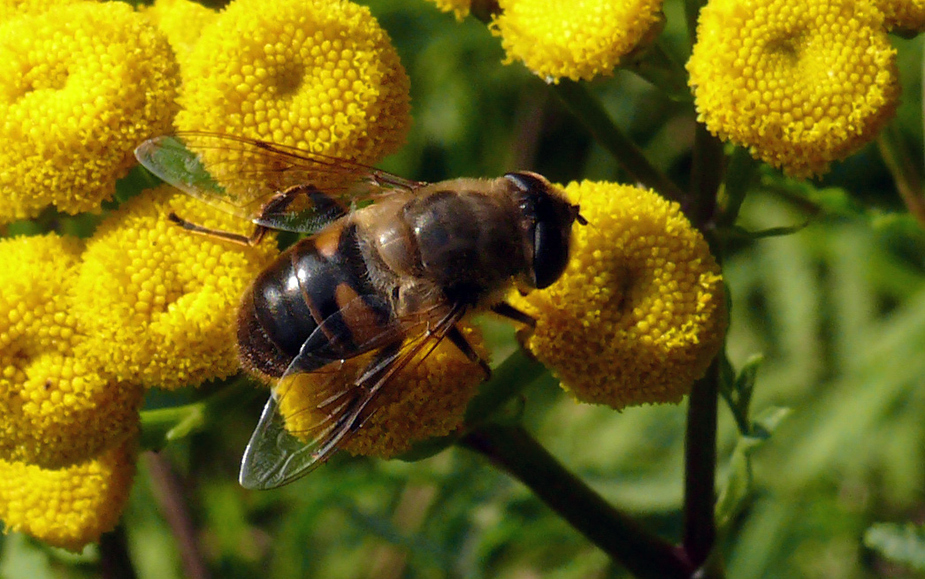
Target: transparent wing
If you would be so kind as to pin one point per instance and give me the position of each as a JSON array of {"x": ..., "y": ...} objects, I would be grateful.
[
  {"x": 314, "y": 407},
  {"x": 241, "y": 176}
]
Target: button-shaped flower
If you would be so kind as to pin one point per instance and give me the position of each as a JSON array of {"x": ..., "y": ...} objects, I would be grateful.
[
  {"x": 80, "y": 85},
  {"x": 576, "y": 40},
  {"x": 639, "y": 312},
  {"x": 56, "y": 408},
  {"x": 320, "y": 75},
  {"x": 68, "y": 507},
  {"x": 427, "y": 398},
  {"x": 159, "y": 303},
  {"x": 800, "y": 83}
]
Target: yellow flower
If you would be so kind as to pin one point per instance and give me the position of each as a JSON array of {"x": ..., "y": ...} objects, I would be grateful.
[
  {"x": 800, "y": 83},
  {"x": 182, "y": 21},
  {"x": 69, "y": 507},
  {"x": 582, "y": 40},
  {"x": 639, "y": 313},
  {"x": 458, "y": 7},
  {"x": 55, "y": 408},
  {"x": 905, "y": 15},
  {"x": 157, "y": 303},
  {"x": 80, "y": 86},
  {"x": 427, "y": 398},
  {"x": 12, "y": 8},
  {"x": 319, "y": 75}
]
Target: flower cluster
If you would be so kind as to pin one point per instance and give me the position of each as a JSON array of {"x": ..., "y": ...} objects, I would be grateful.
[
  {"x": 83, "y": 332},
  {"x": 80, "y": 85},
  {"x": 640, "y": 311},
  {"x": 427, "y": 398},
  {"x": 575, "y": 40},
  {"x": 801, "y": 84},
  {"x": 87, "y": 326}
]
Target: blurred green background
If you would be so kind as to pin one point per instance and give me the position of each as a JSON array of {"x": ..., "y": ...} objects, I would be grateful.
[{"x": 837, "y": 310}]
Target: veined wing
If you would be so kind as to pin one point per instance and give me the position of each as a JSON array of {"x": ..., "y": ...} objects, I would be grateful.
[
  {"x": 241, "y": 176},
  {"x": 314, "y": 408}
]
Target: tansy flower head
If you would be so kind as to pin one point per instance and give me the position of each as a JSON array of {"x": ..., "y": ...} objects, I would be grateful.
[
  {"x": 55, "y": 408},
  {"x": 458, "y": 7},
  {"x": 577, "y": 40},
  {"x": 80, "y": 86},
  {"x": 159, "y": 303},
  {"x": 427, "y": 398},
  {"x": 639, "y": 312},
  {"x": 320, "y": 75},
  {"x": 182, "y": 21},
  {"x": 69, "y": 507},
  {"x": 904, "y": 15},
  {"x": 800, "y": 83}
]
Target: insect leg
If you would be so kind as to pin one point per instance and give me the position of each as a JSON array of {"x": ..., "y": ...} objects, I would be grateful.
[
  {"x": 508, "y": 311},
  {"x": 226, "y": 235},
  {"x": 277, "y": 204},
  {"x": 465, "y": 347}
]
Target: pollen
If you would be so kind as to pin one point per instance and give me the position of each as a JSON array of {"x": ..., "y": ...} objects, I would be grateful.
[
  {"x": 639, "y": 312},
  {"x": 799, "y": 83},
  {"x": 80, "y": 85},
  {"x": 576, "y": 40}
]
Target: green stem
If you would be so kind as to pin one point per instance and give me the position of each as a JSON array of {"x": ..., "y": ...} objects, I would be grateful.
[
  {"x": 589, "y": 111},
  {"x": 700, "y": 467},
  {"x": 706, "y": 177},
  {"x": 161, "y": 425},
  {"x": 513, "y": 449},
  {"x": 739, "y": 177},
  {"x": 691, "y": 13},
  {"x": 513, "y": 375},
  {"x": 115, "y": 561},
  {"x": 905, "y": 174},
  {"x": 656, "y": 66}
]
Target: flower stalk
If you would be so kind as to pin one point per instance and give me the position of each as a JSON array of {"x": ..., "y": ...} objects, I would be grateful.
[
  {"x": 643, "y": 553},
  {"x": 700, "y": 467}
]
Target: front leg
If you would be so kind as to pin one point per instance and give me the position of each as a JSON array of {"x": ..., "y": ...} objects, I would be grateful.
[{"x": 465, "y": 347}]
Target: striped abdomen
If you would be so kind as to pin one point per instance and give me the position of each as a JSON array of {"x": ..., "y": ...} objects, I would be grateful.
[{"x": 311, "y": 282}]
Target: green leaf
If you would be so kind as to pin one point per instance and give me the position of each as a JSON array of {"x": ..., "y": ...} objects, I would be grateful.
[
  {"x": 162, "y": 425},
  {"x": 739, "y": 481},
  {"x": 738, "y": 391},
  {"x": 903, "y": 544},
  {"x": 735, "y": 232}
]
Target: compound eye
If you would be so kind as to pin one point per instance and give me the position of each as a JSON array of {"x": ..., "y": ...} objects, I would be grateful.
[{"x": 550, "y": 253}]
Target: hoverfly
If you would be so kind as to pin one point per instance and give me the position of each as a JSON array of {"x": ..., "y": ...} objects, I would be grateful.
[{"x": 391, "y": 278}]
